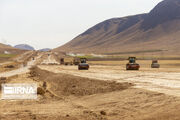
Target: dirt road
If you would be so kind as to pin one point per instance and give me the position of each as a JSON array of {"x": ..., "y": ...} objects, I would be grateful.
[
  {"x": 159, "y": 80},
  {"x": 23, "y": 69},
  {"x": 49, "y": 60}
]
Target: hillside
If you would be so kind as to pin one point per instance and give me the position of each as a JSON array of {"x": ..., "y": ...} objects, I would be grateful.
[
  {"x": 8, "y": 49},
  {"x": 24, "y": 47},
  {"x": 45, "y": 49},
  {"x": 155, "y": 32}
]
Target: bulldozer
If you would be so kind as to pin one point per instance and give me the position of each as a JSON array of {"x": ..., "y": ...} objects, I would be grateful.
[
  {"x": 132, "y": 65},
  {"x": 83, "y": 65},
  {"x": 155, "y": 64}
]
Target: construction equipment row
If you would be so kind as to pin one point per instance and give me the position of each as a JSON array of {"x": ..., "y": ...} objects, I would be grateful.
[
  {"x": 132, "y": 65},
  {"x": 82, "y": 64}
]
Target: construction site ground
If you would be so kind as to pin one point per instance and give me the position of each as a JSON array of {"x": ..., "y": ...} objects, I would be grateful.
[{"x": 104, "y": 92}]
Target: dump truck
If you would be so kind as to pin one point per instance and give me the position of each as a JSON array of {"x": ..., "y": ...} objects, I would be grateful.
[
  {"x": 66, "y": 61},
  {"x": 132, "y": 65},
  {"x": 69, "y": 61},
  {"x": 76, "y": 61},
  {"x": 155, "y": 64},
  {"x": 62, "y": 61},
  {"x": 83, "y": 65}
]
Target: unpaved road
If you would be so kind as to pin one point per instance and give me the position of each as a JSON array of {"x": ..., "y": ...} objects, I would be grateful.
[
  {"x": 23, "y": 69},
  {"x": 49, "y": 60},
  {"x": 160, "y": 80}
]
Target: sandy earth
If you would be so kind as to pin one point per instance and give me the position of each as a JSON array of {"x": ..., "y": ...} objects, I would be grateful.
[
  {"x": 76, "y": 98},
  {"x": 49, "y": 60},
  {"x": 23, "y": 69},
  {"x": 101, "y": 93},
  {"x": 155, "y": 80}
]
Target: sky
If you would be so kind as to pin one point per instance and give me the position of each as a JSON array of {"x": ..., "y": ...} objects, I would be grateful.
[{"x": 52, "y": 23}]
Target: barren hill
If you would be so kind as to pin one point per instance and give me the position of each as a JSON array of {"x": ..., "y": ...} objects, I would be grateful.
[
  {"x": 156, "y": 31},
  {"x": 9, "y": 49},
  {"x": 24, "y": 47}
]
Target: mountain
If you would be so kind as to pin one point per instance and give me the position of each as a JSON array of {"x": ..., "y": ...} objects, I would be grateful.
[
  {"x": 6, "y": 49},
  {"x": 24, "y": 47},
  {"x": 45, "y": 49},
  {"x": 154, "y": 32}
]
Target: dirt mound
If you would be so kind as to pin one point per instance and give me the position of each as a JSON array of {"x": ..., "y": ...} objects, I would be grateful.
[
  {"x": 27, "y": 115},
  {"x": 63, "y": 84}
]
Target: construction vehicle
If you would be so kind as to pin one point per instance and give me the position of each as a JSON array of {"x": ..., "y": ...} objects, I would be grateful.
[
  {"x": 69, "y": 61},
  {"x": 83, "y": 65},
  {"x": 62, "y": 61},
  {"x": 132, "y": 65},
  {"x": 76, "y": 61},
  {"x": 155, "y": 64}
]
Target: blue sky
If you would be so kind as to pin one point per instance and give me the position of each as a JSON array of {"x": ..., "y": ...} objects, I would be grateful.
[{"x": 51, "y": 23}]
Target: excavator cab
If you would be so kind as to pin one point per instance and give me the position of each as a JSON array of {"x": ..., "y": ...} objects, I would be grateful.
[{"x": 132, "y": 65}]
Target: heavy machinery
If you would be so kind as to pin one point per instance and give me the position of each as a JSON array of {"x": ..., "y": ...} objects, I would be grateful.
[
  {"x": 69, "y": 61},
  {"x": 132, "y": 65},
  {"x": 62, "y": 61},
  {"x": 76, "y": 61},
  {"x": 66, "y": 61},
  {"x": 83, "y": 65},
  {"x": 155, "y": 64}
]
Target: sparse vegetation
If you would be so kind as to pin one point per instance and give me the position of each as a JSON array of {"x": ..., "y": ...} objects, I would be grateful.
[
  {"x": 7, "y": 55},
  {"x": 134, "y": 52}
]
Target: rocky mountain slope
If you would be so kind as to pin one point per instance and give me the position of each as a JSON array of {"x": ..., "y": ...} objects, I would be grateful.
[{"x": 155, "y": 32}]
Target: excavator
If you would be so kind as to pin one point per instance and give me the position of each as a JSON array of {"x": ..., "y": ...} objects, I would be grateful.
[
  {"x": 83, "y": 65},
  {"x": 132, "y": 65}
]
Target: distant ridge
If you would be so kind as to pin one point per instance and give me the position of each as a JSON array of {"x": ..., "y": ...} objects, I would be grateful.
[
  {"x": 24, "y": 47},
  {"x": 45, "y": 49},
  {"x": 4, "y": 49}
]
